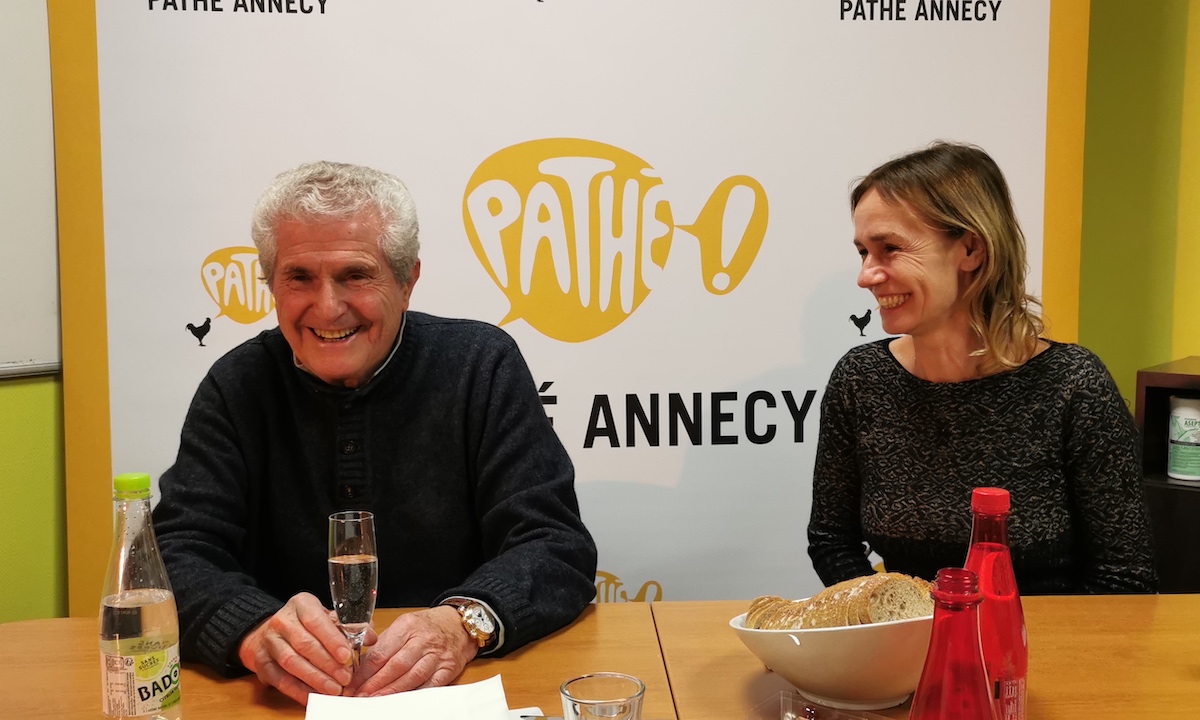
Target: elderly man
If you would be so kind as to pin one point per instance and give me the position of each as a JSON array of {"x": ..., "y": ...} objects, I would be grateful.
[{"x": 355, "y": 403}]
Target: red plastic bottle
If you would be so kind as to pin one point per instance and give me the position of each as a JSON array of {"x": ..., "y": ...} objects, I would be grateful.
[
  {"x": 953, "y": 684},
  {"x": 1001, "y": 620}
]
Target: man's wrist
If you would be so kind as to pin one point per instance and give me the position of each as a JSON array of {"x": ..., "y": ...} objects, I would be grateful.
[
  {"x": 478, "y": 621},
  {"x": 247, "y": 647}
]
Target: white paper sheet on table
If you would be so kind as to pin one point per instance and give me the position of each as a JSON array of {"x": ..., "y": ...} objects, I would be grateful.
[{"x": 483, "y": 700}]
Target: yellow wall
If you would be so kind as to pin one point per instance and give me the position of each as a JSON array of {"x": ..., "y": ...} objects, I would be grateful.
[
  {"x": 33, "y": 544},
  {"x": 76, "y": 97},
  {"x": 1132, "y": 176},
  {"x": 1185, "y": 336},
  {"x": 1065, "y": 121}
]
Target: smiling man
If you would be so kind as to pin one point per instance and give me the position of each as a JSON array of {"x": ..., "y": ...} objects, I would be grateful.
[
  {"x": 356, "y": 403},
  {"x": 339, "y": 304}
]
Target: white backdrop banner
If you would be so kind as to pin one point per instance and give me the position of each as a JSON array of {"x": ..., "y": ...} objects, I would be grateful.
[{"x": 651, "y": 197}]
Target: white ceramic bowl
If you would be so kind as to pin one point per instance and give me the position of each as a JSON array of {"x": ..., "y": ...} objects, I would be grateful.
[{"x": 859, "y": 667}]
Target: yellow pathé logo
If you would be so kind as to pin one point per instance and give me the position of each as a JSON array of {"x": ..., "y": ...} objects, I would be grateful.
[
  {"x": 232, "y": 277},
  {"x": 574, "y": 232}
]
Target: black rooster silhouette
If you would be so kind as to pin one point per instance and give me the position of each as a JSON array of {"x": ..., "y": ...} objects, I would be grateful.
[
  {"x": 861, "y": 322},
  {"x": 201, "y": 331}
]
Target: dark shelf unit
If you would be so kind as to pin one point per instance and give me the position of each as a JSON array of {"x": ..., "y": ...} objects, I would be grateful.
[{"x": 1174, "y": 507}]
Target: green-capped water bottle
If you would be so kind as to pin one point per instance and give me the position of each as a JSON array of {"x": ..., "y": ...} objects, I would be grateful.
[{"x": 139, "y": 627}]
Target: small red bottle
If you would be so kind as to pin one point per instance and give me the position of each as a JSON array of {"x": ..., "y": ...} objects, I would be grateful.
[
  {"x": 1001, "y": 619},
  {"x": 953, "y": 684}
]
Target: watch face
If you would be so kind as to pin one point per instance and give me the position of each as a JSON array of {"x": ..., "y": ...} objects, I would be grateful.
[{"x": 478, "y": 617}]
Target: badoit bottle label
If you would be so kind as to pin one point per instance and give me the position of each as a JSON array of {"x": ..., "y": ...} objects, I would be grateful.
[{"x": 141, "y": 683}]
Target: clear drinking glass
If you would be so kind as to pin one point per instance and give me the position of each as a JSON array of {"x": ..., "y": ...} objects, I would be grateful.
[
  {"x": 603, "y": 696},
  {"x": 353, "y": 573}
]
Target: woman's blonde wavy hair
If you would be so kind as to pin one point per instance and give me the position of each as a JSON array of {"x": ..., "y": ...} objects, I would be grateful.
[{"x": 959, "y": 189}]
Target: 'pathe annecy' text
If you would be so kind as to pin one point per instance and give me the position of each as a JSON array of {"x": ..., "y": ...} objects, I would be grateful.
[
  {"x": 286, "y": 7},
  {"x": 953, "y": 10}
]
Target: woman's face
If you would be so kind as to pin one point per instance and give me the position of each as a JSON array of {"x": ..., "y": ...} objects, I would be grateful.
[{"x": 916, "y": 273}]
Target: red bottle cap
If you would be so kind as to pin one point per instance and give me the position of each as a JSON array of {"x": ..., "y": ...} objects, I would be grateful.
[
  {"x": 955, "y": 584},
  {"x": 990, "y": 501}
]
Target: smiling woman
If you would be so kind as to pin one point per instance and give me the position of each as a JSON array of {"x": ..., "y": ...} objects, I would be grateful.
[
  {"x": 969, "y": 395},
  {"x": 913, "y": 270},
  {"x": 944, "y": 218}
]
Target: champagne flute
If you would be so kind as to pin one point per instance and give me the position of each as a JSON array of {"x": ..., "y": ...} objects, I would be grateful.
[{"x": 353, "y": 573}]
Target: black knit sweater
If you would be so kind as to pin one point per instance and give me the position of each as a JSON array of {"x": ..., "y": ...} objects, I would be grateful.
[
  {"x": 898, "y": 457},
  {"x": 448, "y": 445}
]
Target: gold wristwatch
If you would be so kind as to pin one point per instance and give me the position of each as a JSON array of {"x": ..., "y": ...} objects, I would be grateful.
[{"x": 477, "y": 620}]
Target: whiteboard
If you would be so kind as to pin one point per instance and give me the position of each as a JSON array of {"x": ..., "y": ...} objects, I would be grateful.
[{"x": 29, "y": 320}]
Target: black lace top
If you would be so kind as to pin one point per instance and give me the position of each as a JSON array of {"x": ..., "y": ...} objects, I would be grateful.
[{"x": 898, "y": 457}]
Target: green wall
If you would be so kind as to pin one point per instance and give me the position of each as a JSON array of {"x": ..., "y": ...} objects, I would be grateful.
[
  {"x": 1136, "y": 59},
  {"x": 33, "y": 559}
]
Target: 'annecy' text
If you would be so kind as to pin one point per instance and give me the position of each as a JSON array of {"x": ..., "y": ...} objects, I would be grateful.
[{"x": 684, "y": 418}]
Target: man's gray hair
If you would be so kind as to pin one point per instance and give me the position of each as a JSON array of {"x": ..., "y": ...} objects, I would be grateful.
[{"x": 334, "y": 191}]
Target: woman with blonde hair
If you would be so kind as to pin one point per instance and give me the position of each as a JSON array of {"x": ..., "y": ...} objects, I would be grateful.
[{"x": 968, "y": 394}]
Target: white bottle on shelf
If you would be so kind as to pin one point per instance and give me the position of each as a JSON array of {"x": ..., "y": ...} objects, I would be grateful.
[{"x": 1183, "y": 440}]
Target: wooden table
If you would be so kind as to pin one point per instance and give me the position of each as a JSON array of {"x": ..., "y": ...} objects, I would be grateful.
[
  {"x": 1116, "y": 656},
  {"x": 1133, "y": 656},
  {"x": 51, "y": 669}
]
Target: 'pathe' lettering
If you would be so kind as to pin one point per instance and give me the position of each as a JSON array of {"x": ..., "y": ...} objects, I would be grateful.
[
  {"x": 873, "y": 9},
  {"x": 679, "y": 415},
  {"x": 194, "y": 5},
  {"x": 287, "y": 7}
]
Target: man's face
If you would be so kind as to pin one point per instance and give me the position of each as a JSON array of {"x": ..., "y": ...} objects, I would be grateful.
[{"x": 338, "y": 303}]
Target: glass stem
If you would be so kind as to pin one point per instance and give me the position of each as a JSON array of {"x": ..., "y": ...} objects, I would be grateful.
[{"x": 356, "y": 644}]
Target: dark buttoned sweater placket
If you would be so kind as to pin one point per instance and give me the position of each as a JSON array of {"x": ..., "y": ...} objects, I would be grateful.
[{"x": 352, "y": 488}]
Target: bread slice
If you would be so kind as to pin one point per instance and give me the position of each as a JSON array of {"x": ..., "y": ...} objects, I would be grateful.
[
  {"x": 759, "y": 608},
  {"x": 860, "y": 602},
  {"x": 771, "y": 612},
  {"x": 832, "y": 606},
  {"x": 787, "y": 614},
  {"x": 900, "y": 597},
  {"x": 869, "y": 599}
]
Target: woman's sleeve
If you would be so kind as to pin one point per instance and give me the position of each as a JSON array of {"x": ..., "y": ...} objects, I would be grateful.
[
  {"x": 835, "y": 539},
  {"x": 1104, "y": 474}
]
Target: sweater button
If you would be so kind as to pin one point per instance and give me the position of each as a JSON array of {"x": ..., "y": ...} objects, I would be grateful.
[
  {"x": 348, "y": 492},
  {"x": 349, "y": 447}
]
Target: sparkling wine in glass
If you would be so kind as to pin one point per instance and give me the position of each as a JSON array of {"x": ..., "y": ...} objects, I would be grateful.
[{"x": 353, "y": 573}]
